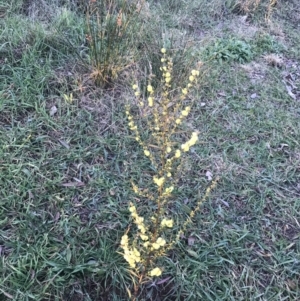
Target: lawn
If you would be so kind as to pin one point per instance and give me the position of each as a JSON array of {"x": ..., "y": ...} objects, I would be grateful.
[{"x": 68, "y": 157}]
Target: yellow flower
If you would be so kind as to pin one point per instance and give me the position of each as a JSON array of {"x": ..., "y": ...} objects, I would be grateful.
[
  {"x": 134, "y": 214},
  {"x": 130, "y": 260},
  {"x": 191, "y": 78},
  {"x": 135, "y": 189},
  {"x": 160, "y": 241},
  {"x": 139, "y": 220},
  {"x": 142, "y": 228},
  {"x": 184, "y": 91},
  {"x": 150, "y": 101},
  {"x": 169, "y": 149},
  {"x": 168, "y": 79},
  {"x": 163, "y": 50},
  {"x": 168, "y": 74},
  {"x": 158, "y": 181},
  {"x": 144, "y": 237},
  {"x": 194, "y": 138},
  {"x": 167, "y": 223},
  {"x": 146, "y": 244},
  {"x": 147, "y": 153},
  {"x": 178, "y": 121},
  {"x": 132, "y": 209},
  {"x": 136, "y": 93},
  {"x": 184, "y": 113},
  {"x": 149, "y": 88},
  {"x": 134, "y": 87},
  {"x": 177, "y": 153},
  {"x": 124, "y": 240},
  {"x": 185, "y": 147},
  {"x": 169, "y": 175},
  {"x": 136, "y": 253},
  {"x": 195, "y": 72},
  {"x": 169, "y": 189},
  {"x": 155, "y": 246},
  {"x": 189, "y": 85},
  {"x": 155, "y": 272},
  {"x": 162, "y": 60}
]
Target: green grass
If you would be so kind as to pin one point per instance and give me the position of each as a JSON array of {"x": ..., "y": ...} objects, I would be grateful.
[{"x": 65, "y": 179}]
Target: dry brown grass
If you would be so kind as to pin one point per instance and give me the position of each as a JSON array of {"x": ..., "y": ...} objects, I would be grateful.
[{"x": 248, "y": 6}]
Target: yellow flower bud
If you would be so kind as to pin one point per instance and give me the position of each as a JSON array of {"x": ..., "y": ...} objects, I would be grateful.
[
  {"x": 163, "y": 50},
  {"x": 169, "y": 175},
  {"x": 168, "y": 74},
  {"x": 147, "y": 153},
  {"x": 191, "y": 78},
  {"x": 136, "y": 93},
  {"x": 169, "y": 149},
  {"x": 168, "y": 79},
  {"x": 178, "y": 121},
  {"x": 134, "y": 87}
]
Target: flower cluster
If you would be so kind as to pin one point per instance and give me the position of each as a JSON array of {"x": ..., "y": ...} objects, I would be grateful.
[
  {"x": 131, "y": 255},
  {"x": 139, "y": 221},
  {"x": 166, "y": 223},
  {"x": 158, "y": 181},
  {"x": 186, "y": 146}
]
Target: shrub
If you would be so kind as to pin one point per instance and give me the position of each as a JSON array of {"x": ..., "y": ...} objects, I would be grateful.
[{"x": 154, "y": 233}]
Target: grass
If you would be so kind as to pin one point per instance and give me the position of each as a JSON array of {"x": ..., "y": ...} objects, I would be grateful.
[{"x": 65, "y": 178}]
